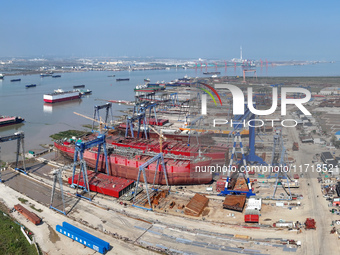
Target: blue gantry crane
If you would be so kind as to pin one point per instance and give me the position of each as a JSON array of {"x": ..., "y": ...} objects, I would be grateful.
[
  {"x": 278, "y": 162},
  {"x": 160, "y": 160},
  {"x": 19, "y": 136},
  {"x": 252, "y": 158},
  {"x": 97, "y": 117},
  {"x": 139, "y": 115},
  {"x": 129, "y": 124},
  {"x": 80, "y": 148},
  {"x": 149, "y": 106}
]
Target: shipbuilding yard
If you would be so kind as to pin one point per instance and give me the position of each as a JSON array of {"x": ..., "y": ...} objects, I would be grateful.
[{"x": 173, "y": 175}]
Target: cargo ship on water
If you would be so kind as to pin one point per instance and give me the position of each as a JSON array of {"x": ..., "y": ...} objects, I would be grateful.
[
  {"x": 60, "y": 95},
  {"x": 7, "y": 120},
  {"x": 125, "y": 162},
  {"x": 149, "y": 88}
]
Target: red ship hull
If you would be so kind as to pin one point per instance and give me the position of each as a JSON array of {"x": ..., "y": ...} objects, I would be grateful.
[
  {"x": 7, "y": 121},
  {"x": 179, "y": 171},
  {"x": 218, "y": 154},
  {"x": 177, "y": 136},
  {"x": 61, "y": 99}
]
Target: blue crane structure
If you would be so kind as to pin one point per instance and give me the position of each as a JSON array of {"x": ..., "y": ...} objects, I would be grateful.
[
  {"x": 58, "y": 177},
  {"x": 174, "y": 99},
  {"x": 252, "y": 158},
  {"x": 193, "y": 122},
  {"x": 144, "y": 106},
  {"x": 160, "y": 160},
  {"x": 139, "y": 114},
  {"x": 277, "y": 85},
  {"x": 96, "y": 115},
  {"x": 279, "y": 165},
  {"x": 129, "y": 124},
  {"x": 19, "y": 136},
  {"x": 80, "y": 148}
]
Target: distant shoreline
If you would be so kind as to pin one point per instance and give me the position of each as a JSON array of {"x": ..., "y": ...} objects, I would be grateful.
[{"x": 40, "y": 72}]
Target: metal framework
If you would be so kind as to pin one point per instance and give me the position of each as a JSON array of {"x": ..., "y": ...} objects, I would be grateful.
[
  {"x": 238, "y": 123},
  {"x": 80, "y": 148},
  {"x": 174, "y": 99},
  {"x": 160, "y": 159},
  {"x": 143, "y": 107},
  {"x": 129, "y": 124},
  {"x": 226, "y": 191},
  {"x": 139, "y": 113},
  {"x": 19, "y": 136},
  {"x": 199, "y": 119},
  {"x": 57, "y": 177},
  {"x": 96, "y": 115},
  {"x": 278, "y": 162},
  {"x": 248, "y": 71}
]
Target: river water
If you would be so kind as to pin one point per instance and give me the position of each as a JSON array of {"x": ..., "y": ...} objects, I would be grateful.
[{"x": 42, "y": 119}]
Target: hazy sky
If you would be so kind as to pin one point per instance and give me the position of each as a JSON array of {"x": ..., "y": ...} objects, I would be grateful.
[{"x": 276, "y": 30}]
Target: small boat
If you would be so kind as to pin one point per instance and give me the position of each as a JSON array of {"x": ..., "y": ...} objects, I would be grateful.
[
  {"x": 45, "y": 75},
  {"x": 31, "y": 85},
  {"x": 10, "y": 120},
  {"x": 1, "y": 76},
  {"x": 56, "y": 76},
  {"x": 148, "y": 88},
  {"x": 83, "y": 91},
  {"x": 208, "y": 73},
  {"x": 15, "y": 80},
  {"x": 78, "y": 86},
  {"x": 111, "y": 75},
  {"x": 147, "y": 80},
  {"x": 123, "y": 79}
]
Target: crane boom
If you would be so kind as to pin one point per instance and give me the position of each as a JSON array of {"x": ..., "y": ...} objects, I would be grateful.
[
  {"x": 160, "y": 134},
  {"x": 161, "y": 137},
  {"x": 101, "y": 122},
  {"x": 86, "y": 117}
]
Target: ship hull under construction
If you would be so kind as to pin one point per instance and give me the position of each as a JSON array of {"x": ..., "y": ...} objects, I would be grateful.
[{"x": 178, "y": 171}]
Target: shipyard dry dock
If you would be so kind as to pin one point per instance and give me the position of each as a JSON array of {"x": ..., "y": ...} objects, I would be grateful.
[
  {"x": 219, "y": 230},
  {"x": 283, "y": 216}
]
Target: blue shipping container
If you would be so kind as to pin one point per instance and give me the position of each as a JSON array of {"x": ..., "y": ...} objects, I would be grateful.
[{"x": 83, "y": 237}]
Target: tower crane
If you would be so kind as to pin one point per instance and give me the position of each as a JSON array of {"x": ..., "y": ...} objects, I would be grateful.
[
  {"x": 161, "y": 137},
  {"x": 102, "y": 124}
]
